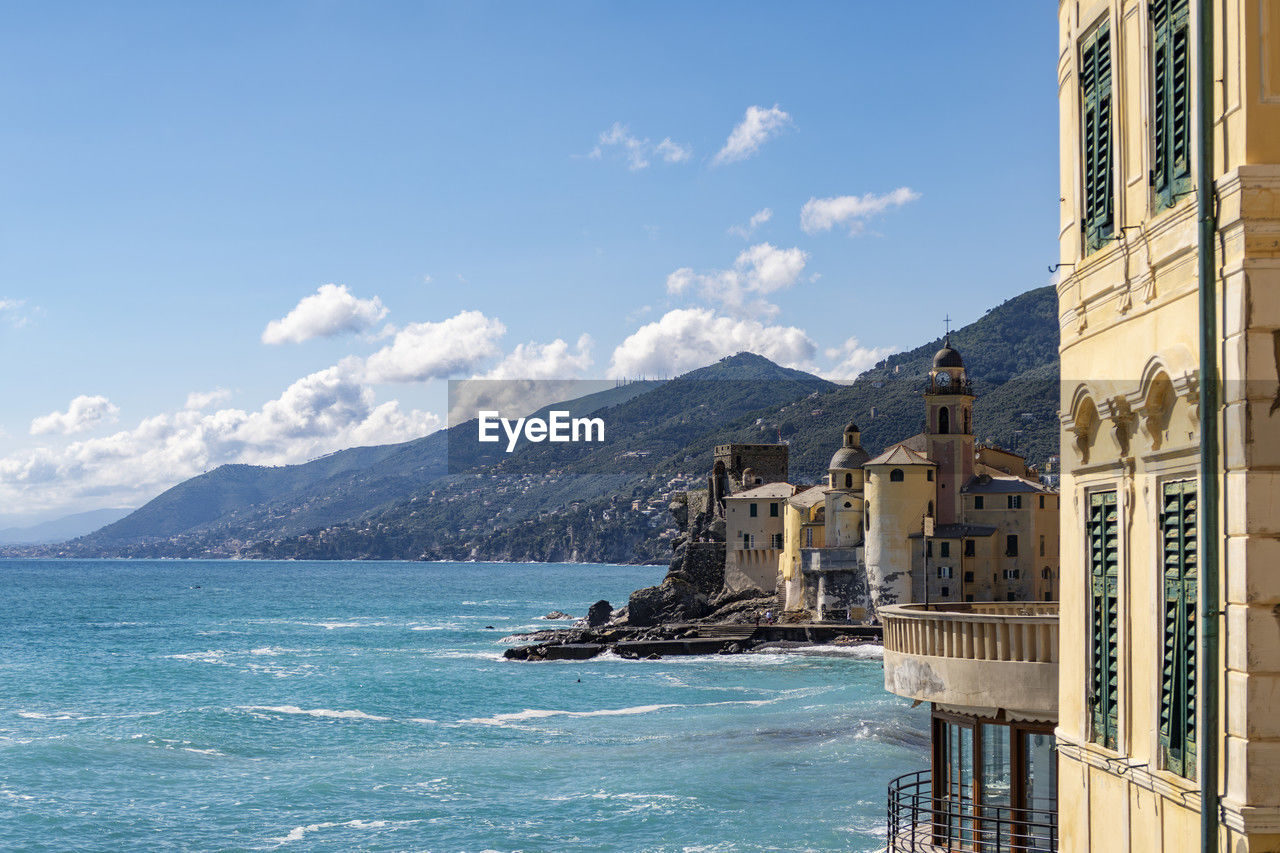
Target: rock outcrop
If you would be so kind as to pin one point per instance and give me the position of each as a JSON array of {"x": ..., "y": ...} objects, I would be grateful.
[{"x": 599, "y": 614}]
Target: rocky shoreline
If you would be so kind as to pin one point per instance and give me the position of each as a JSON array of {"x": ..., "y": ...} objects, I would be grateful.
[{"x": 735, "y": 628}]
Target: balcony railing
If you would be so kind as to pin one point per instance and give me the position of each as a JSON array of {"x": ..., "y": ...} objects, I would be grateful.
[
  {"x": 1026, "y": 632},
  {"x": 990, "y": 655},
  {"x": 921, "y": 822}
]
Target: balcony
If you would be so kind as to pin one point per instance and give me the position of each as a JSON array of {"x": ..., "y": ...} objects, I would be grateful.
[
  {"x": 922, "y": 820},
  {"x": 989, "y": 657}
]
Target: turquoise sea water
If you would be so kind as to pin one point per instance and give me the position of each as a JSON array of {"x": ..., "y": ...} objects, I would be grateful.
[{"x": 157, "y": 705}]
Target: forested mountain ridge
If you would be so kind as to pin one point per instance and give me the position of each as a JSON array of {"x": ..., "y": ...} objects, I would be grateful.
[{"x": 445, "y": 497}]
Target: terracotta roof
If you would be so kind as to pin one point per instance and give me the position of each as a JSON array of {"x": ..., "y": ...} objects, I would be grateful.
[
  {"x": 808, "y": 497},
  {"x": 900, "y": 454},
  {"x": 768, "y": 490},
  {"x": 1000, "y": 483}
]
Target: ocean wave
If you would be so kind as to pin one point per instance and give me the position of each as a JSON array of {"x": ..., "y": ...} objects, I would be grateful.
[
  {"x": 866, "y": 651},
  {"x": 217, "y": 656},
  {"x": 544, "y": 713},
  {"x": 540, "y": 714},
  {"x": 324, "y": 713},
  {"x": 298, "y": 833}
]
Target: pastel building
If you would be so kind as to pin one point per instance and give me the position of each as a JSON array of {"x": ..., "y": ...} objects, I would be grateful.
[{"x": 1169, "y": 733}]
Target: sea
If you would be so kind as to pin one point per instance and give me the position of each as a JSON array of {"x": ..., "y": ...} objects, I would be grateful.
[{"x": 344, "y": 706}]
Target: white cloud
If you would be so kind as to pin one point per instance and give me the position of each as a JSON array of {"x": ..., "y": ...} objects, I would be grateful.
[
  {"x": 319, "y": 413},
  {"x": 852, "y": 359},
  {"x": 757, "y": 271},
  {"x": 15, "y": 312},
  {"x": 636, "y": 151},
  {"x": 422, "y": 351},
  {"x": 757, "y": 127},
  {"x": 673, "y": 152},
  {"x": 331, "y": 310},
  {"x": 83, "y": 414},
  {"x": 544, "y": 361},
  {"x": 687, "y": 338},
  {"x": 204, "y": 399},
  {"x": 851, "y": 211},
  {"x": 758, "y": 218}
]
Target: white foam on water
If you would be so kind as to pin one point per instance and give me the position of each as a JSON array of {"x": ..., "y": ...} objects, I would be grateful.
[
  {"x": 203, "y": 751},
  {"x": 544, "y": 713},
  {"x": 865, "y": 651},
  {"x": 38, "y": 715},
  {"x": 324, "y": 713},
  {"x": 298, "y": 833},
  {"x": 215, "y": 656}
]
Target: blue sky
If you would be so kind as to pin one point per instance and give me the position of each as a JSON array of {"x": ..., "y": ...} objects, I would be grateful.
[{"x": 180, "y": 175}]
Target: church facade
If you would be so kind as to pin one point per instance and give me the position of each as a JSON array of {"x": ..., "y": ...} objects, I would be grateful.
[{"x": 933, "y": 518}]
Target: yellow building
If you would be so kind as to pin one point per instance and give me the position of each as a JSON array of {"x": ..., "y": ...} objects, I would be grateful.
[
  {"x": 1134, "y": 706},
  {"x": 992, "y": 524}
]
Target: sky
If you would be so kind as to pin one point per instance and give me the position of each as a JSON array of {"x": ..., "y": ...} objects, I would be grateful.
[{"x": 260, "y": 232}]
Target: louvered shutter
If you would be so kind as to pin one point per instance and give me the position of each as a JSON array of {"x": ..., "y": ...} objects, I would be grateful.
[
  {"x": 1178, "y": 658},
  {"x": 1171, "y": 69},
  {"x": 1104, "y": 572},
  {"x": 1095, "y": 101}
]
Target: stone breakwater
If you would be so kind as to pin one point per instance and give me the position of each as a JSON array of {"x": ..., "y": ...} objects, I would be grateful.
[{"x": 652, "y": 643}]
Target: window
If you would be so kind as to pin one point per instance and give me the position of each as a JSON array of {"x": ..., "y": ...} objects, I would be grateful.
[
  {"x": 1104, "y": 570},
  {"x": 944, "y": 421},
  {"x": 978, "y": 502},
  {"x": 754, "y": 511},
  {"x": 968, "y": 577},
  {"x": 946, "y": 592},
  {"x": 808, "y": 537},
  {"x": 968, "y": 548},
  {"x": 777, "y": 541},
  {"x": 944, "y": 549},
  {"x": 746, "y": 541},
  {"x": 773, "y": 510},
  {"x": 896, "y": 475},
  {"x": 1171, "y": 81},
  {"x": 945, "y": 572},
  {"x": 929, "y": 511},
  {"x": 928, "y": 475},
  {"x": 848, "y": 481},
  {"x": 1015, "y": 501},
  {"x": 1011, "y": 546},
  {"x": 1042, "y": 501},
  {"x": 928, "y": 548},
  {"x": 1011, "y": 574},
  {"x": 1178, "y": 658},
  {"x": 968, "y": 598},
  {"x": 1095, "y": 132},
  {"x": 1042, "y": 545}
]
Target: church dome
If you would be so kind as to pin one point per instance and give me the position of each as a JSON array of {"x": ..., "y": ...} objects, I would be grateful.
[
  {"x": 847, "y": 458},
  {"x": 947, "y": 357}
]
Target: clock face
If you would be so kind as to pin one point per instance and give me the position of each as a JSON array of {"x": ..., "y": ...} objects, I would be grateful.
[{"x": 944, "y": 379}]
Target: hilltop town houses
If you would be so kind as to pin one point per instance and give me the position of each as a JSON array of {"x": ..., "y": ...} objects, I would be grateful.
[{"x": 934, "y": 517}]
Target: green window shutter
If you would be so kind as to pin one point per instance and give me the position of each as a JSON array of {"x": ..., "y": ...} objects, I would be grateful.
[
  {"x": 1171, "y": 70},
  {"x": 1104, "y": 604},
  {"x": 1096, "y": 134},
  {"x": 1178, "y": 663}
]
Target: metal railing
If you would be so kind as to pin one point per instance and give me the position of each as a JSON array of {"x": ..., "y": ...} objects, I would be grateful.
[{"x": 921, "y": 822}]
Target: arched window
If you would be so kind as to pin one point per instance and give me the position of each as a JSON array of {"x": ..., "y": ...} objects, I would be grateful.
[
  {"x": 944, "y": 421},
  {"x": 896, "y": 475},
  {"x": 848, "y": 481}
]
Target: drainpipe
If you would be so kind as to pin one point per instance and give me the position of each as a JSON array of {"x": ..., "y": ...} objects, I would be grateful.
[{"x": 1209, "y": 458}]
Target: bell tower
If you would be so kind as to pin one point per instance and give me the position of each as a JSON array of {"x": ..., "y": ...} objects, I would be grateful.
[{"x": 949, "y": 430}]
